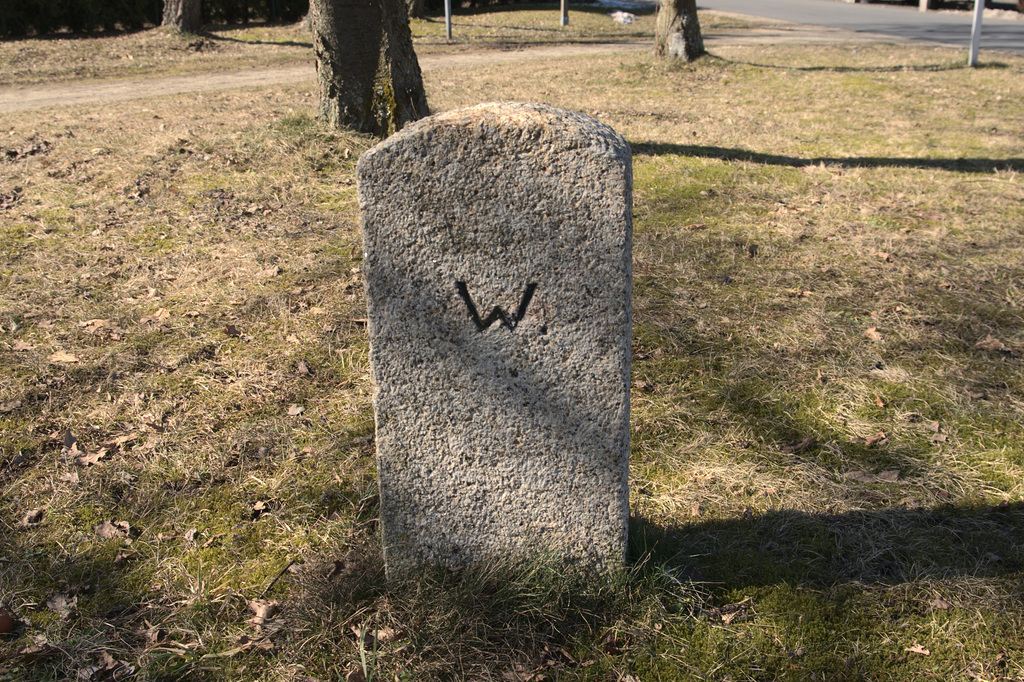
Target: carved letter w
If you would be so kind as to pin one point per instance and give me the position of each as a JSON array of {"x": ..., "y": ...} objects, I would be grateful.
[{"x": 497, "y": 313}]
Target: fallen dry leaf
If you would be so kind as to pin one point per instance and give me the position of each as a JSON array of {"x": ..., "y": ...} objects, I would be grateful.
[
  {"x": 123, "y": 558},
  {"x": 6, "y": 622},
  {"x": 113, "y": 529},
  {"x": 95, "y": 325},
  {"x": 879, "y": 401},
  {"x": 799, "y": 445},
  {"x": 91, "y": 459},
  {"x": 9, "y": 407},
  {"x": 264, "y": 612},
  {"x": 990, "y": 343},
  {"x": 873, "y": 334},
  {"x": 940, "y": 438},
  {"x": 272, "y": 271},
  {"x": 31, "y": 518},
  {"x": 295, "y": 410},
  {"x": 860, "y": 476},
  {"x": 885, "y": 256},
  {"x": 154, "y": 634},
  {"x": 119, "y": 441},
  {"x": 23, "y": 346},
  {"x": 730, "y": 612},
  {"x": 259, "y": 508},
  {"x": 879, "y": 437},
  {"x": 158, "y": 317},
  {"x": 372, "y": 639},
  {"x": 41, "y": 648},
  {"x": 232, "y": 330},
  {"x": 611, "y": 643},
  {"x": 941, "y": 604},
  {"x": 109, "y": 669},
  {"x": 889, "y": 476},
  {"x": 62, "y": 605},
  {"x": 62, "y": 357},
  {"x": 918, "y": 649}
]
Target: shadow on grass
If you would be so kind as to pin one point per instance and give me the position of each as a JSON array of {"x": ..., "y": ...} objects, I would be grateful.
[
  {"x": 552, "y": 8},
  {"x": 966, "y": 165},
  {"x": 921, "y": 68},
  {"x": 252, "y": 41},
  {"x": 491, "y": 618},
  {"x": 880, "y": 546}
]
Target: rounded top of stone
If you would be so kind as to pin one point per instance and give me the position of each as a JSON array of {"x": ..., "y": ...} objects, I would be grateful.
[{"x": 526, "y": 122}]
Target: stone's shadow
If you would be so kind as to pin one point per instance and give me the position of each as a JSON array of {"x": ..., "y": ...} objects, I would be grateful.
[
  {"x": 879, "y": 546},
  {"x": 967, "y": 165}
]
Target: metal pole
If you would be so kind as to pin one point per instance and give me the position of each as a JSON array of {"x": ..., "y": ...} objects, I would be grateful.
[
  {"x": 565, "y": 13},
  {"x": 448, "y": 18},
  {"x": 979, "y": 13}
]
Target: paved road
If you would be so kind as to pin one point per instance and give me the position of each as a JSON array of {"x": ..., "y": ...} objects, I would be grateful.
[{"x": 949, "y": 28}]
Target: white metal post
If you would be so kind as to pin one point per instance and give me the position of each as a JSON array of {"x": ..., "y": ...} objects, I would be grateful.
[
  {"x": 565, "y": 13},
  {"x": 448, "y": 18},
  {"x": 979, "y": 13}
]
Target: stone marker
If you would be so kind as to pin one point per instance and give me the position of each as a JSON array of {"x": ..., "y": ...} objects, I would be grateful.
[{"x": 498, "y": 267}]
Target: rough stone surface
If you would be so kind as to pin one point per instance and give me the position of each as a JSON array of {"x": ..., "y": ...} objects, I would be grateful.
[{"x": 498, "y": 274}]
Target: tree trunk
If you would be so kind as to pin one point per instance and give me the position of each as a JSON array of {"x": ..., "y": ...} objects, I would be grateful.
[
  {"x": 417, "y": 8},
  {"x": 677, "y": 32},
  {"x": 182, "y": 15},
  {"x": 367, "y": 73}
]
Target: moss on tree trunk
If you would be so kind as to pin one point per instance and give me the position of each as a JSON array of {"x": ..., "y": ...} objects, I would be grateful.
[
  {"x": 677, "y": 32},
  {"x": 367, "y": 72}
]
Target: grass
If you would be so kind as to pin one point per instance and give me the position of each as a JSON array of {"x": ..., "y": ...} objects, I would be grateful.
[
  {"x": 826, "y": 463},
  {"x": 157, "y": 52}
]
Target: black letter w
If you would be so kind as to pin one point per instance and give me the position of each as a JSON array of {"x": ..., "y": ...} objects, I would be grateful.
[{"x": 497, "y": 313}]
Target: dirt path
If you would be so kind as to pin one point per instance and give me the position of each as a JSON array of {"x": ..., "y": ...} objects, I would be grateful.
[
  {"x": 104, "y": 91},
  {"x": 100, "y": 91}
]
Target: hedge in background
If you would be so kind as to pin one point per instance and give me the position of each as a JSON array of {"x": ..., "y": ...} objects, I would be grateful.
[{"x": 39, "y": 17}]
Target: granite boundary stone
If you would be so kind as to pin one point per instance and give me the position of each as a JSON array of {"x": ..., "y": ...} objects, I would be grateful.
[{"x": 498, "y": 271}]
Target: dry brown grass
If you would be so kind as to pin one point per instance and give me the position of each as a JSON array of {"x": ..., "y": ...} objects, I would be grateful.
[
  {"x": 155, "y": 51},
  {"x": 199, "y": 258}
]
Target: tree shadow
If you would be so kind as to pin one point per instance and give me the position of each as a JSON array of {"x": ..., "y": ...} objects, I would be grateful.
[
  {"x": 213, "y": 35},
  {"x": 965, "y": 165},
  {"x": 887, "y": 546},
  {"x": 920, "y": 68},
  {"x": 510, "y": 8}
]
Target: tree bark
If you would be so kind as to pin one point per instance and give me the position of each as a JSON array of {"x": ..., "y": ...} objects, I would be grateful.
[
  {"x": 677, "y": 32},
  {"x": 182, "y": 15},
  {"x": 417, "y": 8},
  {"x": 367, "y": 72}
]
